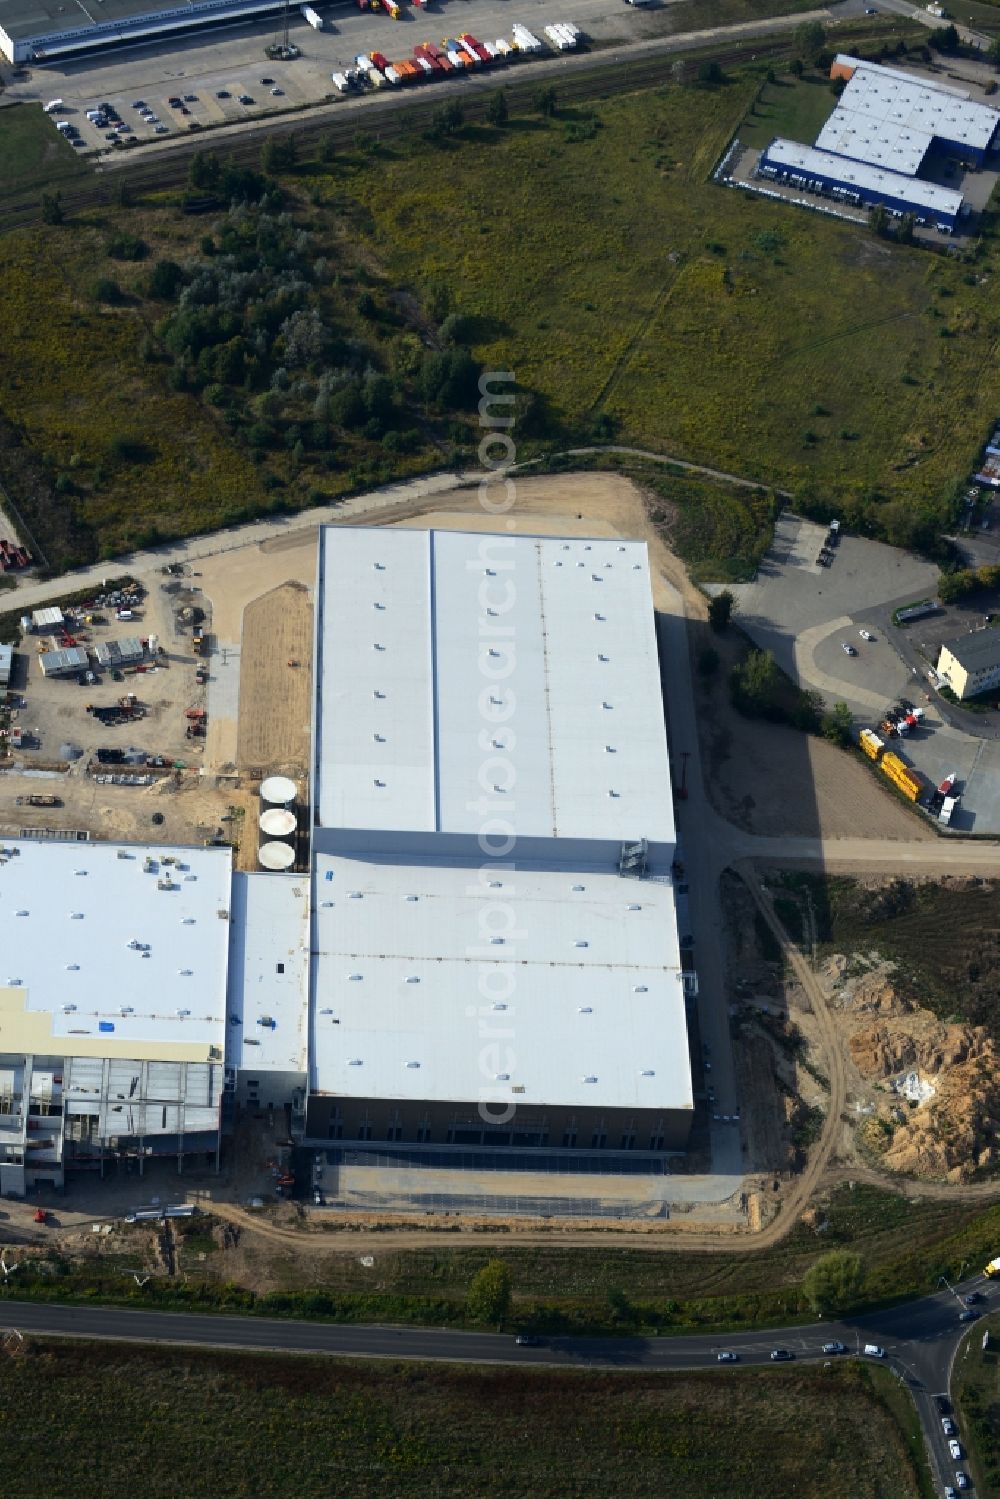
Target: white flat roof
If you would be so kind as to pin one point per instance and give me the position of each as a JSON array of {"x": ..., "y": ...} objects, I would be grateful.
[
  {"x": 69, "y": 914},
  {"x": 268, "y": 973},
  {"x": 580, "y": 1000},
  {"x": 924, "y": 196},
  {"x": 457, "y": 667},
  {"x": 889, "y": 120}
]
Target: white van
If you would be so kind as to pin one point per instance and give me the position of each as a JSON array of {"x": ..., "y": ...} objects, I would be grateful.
[
  {"x": 53, "y": 106},
  {"x": 872, "y": 1350}
]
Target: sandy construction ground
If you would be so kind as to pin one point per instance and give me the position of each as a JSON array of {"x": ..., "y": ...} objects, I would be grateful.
[{"x": 275, "y": 680}]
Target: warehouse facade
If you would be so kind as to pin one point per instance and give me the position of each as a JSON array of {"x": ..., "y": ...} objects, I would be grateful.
[
  {"x": 495, "y": 957},
  {"x": 858, "y": 184},
  {"x": 31, "y": 32}
]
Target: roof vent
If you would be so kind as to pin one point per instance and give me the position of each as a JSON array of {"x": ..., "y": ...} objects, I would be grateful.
[
  {"x": 20, "y": 913},
  {"x": 502, "y": 1077},
  {"x": 125, "y": 1010},
  {"x": 413, "y": 978},
  {"x": 379, "y": 567},
  {"x": 602, "y": 657},
  {"x": 356, "y": 978},
  {"x": 589, "y": 1079},
  {"x": 72, "y": 967},
  {"x": 496, "y": 884},
  {"x": 76, "y": 915},
  {"x": 413, "y": 897},
  {"x": 377, "y": 782},
  {"x": 496, "y": 941},
  {"x": 79, "y": 871},
  {"x": 181, "y": 1013},
  {"x": 607, "y": 706},
  {"x": 579, "y": 887},
  {"x": 378, "y": 605},
  {"x": 612, "y": 793},
  {"x": 378, "y": 646},
  {"x": 609, "y": 749},
  {"x": 640, "y": 989},
  {"x": 585, "y": 1009},
  {"x": 599, "y": 617},
  {"x": 187, "y": 921},
  {"x": 499, "y": 1005},
  {"x": 413, "y": 1064},
  {"x": 379, "y": 738},
  {"x": 647, "y": 1072},
  {"x": 66, "y": 1009},
  {"x": 634, "y": 907},
  {"x": 377, "y": 694},
  {"x": 327, "y": 1011},
  {"x": 581, "y": 942},
  {"x": 354, "y": 895},
  {"x": 354, "y": 1062}
]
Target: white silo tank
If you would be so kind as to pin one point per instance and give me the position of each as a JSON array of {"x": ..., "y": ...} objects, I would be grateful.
[
  {"x": 276, "y": 856},
  {"x": 277, "y": 791},
  {"x": 278, "y": 822}
]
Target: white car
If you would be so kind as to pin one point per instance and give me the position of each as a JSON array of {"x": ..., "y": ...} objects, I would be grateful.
[
  {"x": 954, "y": 1449},
  {"x": 847, "y": 649},
  {"x": 866, "y": 635}
]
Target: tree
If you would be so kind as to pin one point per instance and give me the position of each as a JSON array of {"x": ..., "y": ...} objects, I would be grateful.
[
  {"x": 328, "y": 148},
  {"x": 834, "y": 1282},
  {"x": 546, "y": 102},
  {"x": 165, "y": 280},
  {"x": 489, "y": 1295},
  {"x": 905, "y": 228},
  {"x": 956, "y": 585},
  {"x": 810, "y": 41},
  {"x": 720, "y": 610},
  {"x": 497, "y": 112},
  {"x": 838, "y": 725},
  {"x": 205, "y": 171},
  {"x": 52, "y": 209},
  {"x": 755, "y": 684},
  {"x": 878, "y": 219},
  {"x": 710, "y": 72},
  {"x": 945, "y": 39},
  {"x": 993, "y": 52}
]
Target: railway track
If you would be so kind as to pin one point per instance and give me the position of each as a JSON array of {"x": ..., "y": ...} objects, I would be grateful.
[{"x": 385, "y": 118}]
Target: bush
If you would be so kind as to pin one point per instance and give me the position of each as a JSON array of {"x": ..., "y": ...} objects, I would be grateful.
[
  {"x": 127, "y": 247},
  {"x": 106, "y": 290}
]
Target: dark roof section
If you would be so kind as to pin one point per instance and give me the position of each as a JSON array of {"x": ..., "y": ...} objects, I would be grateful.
[{"x": 977, "y": 649}]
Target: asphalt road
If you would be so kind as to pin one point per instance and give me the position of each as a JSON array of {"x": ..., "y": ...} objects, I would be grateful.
[{"x": 920, "y": 1340}]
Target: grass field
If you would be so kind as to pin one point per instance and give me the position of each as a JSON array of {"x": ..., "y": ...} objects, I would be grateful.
[
  {"x": 98, "y": 1420},
  {"x": 691, "y": 320},
  {"x": 709, "y": 324},
  {"x": 794, "y": 107},
  {"x": 32, "y": 149}
]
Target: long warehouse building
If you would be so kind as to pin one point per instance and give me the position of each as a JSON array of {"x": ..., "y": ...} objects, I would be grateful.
[
  {"x": 857, "y": 183},
  {"x": 495, "y": 955}
]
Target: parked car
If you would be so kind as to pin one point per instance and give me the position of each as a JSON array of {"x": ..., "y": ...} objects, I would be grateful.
[
  {"x": 874, "y": 1350},
  {"x": 847, "y": 649},
  {"x": 947, "y": 1426},
  {"x": 955, "y": 1449},
  {"x": 866, "y": 635},
  {"x": 962, "y": 1479},
  {"x": 223, "y": 93},
  {"x": 190, "y": 98}
]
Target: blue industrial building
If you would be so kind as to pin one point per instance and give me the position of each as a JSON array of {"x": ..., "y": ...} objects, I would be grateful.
[{"x": 857, "y": 184}]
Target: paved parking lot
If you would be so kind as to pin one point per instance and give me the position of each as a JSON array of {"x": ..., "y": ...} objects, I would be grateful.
[
  {"x": 231, "y": 60},
  {"x": 805, "y": 614}
]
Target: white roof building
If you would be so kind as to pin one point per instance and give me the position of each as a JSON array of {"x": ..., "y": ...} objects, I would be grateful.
[
  {"x": 268, "y": 973},
  {"x": 466, "y": 678},
  {"x": 890, "y": 119},
  {"x": 584, "y": 966},
  {"x": 469, "y": 684},
  {"x": 109, "y": 950},
  {"x": 6, "y": 664}
]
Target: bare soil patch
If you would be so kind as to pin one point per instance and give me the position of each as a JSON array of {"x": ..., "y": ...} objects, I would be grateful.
[{"x": 275, "y": 681}]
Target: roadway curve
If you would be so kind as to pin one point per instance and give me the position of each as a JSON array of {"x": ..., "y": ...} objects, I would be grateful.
[{"x": 920, "y": 1339}]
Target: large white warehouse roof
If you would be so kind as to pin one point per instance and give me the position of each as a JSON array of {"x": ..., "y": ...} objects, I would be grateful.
[
  {"x": 463, "y": 677},
  {"x": 542, "y": 987},
  {"x": 107, "y": 950},
  {"x": 889, "y": 119}
]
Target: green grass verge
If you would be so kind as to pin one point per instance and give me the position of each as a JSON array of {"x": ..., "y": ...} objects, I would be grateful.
[
  {"x": 91, "y": 1419},
  {"x": 976, "y": 1391},
  {"x": 32, "y": 150},
  {"x": 904, "y": 1245}
]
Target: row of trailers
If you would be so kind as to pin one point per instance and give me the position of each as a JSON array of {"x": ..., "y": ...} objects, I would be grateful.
[
  {"x": 454, "y": 55},
  {"x": 940, "y": 801}
]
